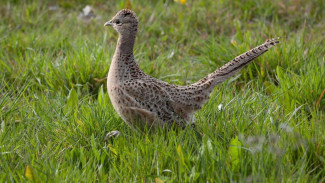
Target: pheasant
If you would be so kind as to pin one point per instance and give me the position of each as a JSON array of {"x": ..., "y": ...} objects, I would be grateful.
[{"x": 143, "y": 100}]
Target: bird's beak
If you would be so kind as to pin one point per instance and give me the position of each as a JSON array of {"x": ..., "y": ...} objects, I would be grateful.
[{"x": 109, "y": 23}]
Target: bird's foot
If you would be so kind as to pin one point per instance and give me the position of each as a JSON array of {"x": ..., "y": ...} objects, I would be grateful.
[{"x": 112, "y": 134}]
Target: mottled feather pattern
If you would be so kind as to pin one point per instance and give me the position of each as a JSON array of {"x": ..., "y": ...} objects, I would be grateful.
[{"x": 139, "y": 98}]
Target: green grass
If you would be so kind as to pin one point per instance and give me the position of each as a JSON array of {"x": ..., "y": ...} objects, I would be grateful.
[{"x": 55, "y": 111}]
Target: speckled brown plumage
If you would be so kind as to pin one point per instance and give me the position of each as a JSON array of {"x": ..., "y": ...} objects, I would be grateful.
[{"x": 141, "y": 99}]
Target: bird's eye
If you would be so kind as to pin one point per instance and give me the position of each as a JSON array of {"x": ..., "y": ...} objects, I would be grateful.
[{"x": 118, "y": 22}]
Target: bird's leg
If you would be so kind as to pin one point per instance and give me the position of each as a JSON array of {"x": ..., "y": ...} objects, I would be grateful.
[{"x": 112, "y": 134}]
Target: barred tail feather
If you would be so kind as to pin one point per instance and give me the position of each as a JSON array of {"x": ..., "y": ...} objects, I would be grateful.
[{"x": 230, "y": 68}]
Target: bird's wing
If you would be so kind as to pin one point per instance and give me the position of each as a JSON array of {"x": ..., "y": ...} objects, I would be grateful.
[{"x": 152, "y": 97}]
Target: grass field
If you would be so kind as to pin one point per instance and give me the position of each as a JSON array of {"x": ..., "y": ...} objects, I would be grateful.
[{"x": 266, "y": 124}]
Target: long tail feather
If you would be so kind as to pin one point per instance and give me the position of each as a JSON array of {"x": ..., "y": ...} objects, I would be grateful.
[{"x": 230, "y": 68}]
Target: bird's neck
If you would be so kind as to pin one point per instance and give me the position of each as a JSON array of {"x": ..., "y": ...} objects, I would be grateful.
[
  {"x": 125, "y": 44},
  {"x": 123, "y": 58}
]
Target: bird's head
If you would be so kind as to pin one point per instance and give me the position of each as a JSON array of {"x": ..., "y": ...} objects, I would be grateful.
[{"x": 125, "y": 22}]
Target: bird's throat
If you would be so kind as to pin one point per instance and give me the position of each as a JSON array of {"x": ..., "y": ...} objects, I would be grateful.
[
  {"x": 123, "y": 58},
  {"x": 125, "y": 44}
]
